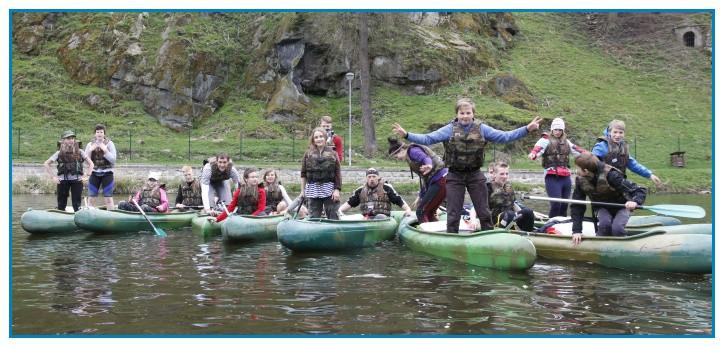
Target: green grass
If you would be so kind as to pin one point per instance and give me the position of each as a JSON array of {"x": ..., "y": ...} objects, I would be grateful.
[{"x": 568, "y": 76}]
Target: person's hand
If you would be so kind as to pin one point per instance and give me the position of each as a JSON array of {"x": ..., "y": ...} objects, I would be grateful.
[
  {"x": 180, "y": 205},
  {"x": 534, "y": 124},
  {"x": 425, "y": 169},
  {"x": 407, "y": 213},
  {"x": 631, "y": 205},
  {"x": 56, "y": 180},
  {"x": 103, "y": 147},
  {"x": 335, "y": 195},
  {"x": 84, "y": 178},
  {"x": 577, "y": 238},
  {"x": 396, "y": 128},
  {"x": 340, "y": 213},
  {"x": 532, "y": 155},
  {"x": 656, "y": 180},
  {"x": 93, "y": 146}
]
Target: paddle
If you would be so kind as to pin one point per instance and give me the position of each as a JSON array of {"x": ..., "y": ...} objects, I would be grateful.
[
  {"x": 158, "y": 231},
  {"x": 686, "y": 211},
  {"x": 301, "y": 202}
]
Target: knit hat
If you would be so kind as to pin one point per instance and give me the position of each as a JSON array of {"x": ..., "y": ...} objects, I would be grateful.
[
  {"x": 67, "y": 134},
  {"x": 558, "y": 124},
  {"x": 372, "y": 171},
  {"x": 395, "y": 146},
  {"x": 155, "y": 175}
]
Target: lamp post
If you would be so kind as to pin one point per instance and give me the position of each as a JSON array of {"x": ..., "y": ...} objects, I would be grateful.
[
  {"x": 350, "y": 76},
  {"x": 130, "y": 148}
]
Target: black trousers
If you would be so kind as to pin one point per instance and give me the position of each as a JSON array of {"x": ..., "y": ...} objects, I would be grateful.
[
  {"x": 474, "y": 182},
  {"x": 72, "y": 187},
  {"x": 317, "y": 205}
]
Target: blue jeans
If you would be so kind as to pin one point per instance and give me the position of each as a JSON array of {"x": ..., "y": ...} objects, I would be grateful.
[{"x": 558, "y": 187}]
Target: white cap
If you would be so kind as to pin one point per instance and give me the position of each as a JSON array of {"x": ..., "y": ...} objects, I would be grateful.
[
  {"x": 155, "y": 175},
  {"x": 558, "y": 124}
]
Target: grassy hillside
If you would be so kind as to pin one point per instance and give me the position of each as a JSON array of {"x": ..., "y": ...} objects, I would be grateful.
[{"x": 568, "y": 75}]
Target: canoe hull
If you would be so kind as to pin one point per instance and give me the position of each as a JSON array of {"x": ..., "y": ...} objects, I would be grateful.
[
  {"x": 250, "y": 228},
  {"x": 319, "y": 235},
  {"x": 117, "y": 221},
  {"x": 48, "y": 222},
  {"x": 654, "y": 250},
  {"x": 495, "y": 249},
  {"x": 202, "y": 224}
]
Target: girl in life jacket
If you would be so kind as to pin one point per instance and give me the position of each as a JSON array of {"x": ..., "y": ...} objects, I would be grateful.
[
  {"x": 321, "y": 177},
  {"x": 249, "y": 198},
  {"x": 151, "y": 198}
]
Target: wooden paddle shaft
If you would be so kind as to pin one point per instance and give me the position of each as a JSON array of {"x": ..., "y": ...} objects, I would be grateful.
[{"x": 577, "y": 202}]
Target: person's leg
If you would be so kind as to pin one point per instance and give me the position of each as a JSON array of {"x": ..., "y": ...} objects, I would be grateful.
[
  {"x": 330, "y": 208},
  {"x": 552, "y": 192},
  {"x": 455, "y": 197},
  {"x": 604, "y": 222},
  {"x": 430, "y": 209},
  {"x": 315, "y": 207},
  {"x": 566, "y": 194},
  {"x": 76, "y": 190},
  {"x": 618, "y": 227},
  {"x": 525, "y": 219},
  {"x": 423, "y": 204},
  {"x": 94, "y": 182},
  {"x": 63, "y": 188},
  {"x": 109, "y": 184},
  {"x": 479, "y": 195},
  {"x": 126, "y": 206}
]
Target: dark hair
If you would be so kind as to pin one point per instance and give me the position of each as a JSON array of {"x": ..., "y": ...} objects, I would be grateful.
[
  {"x": 248, "y": 171},
  {"x": 588, "y": 162},
  {"x": 101, "y": 127},
  {"x": 395, "y": 145},
  {"x": 222, "y": 155}
]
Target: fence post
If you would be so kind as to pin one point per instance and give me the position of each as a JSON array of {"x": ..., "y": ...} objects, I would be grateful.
[
  {"x": 130, "y": 149},
  {"x": 190, "y": 127},
  {"x": 241, "y": 139},
  {"x": 293, "y": 142}
]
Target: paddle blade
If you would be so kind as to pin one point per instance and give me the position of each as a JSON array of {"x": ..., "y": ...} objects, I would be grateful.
[
  {"x": 685, "y": 211},
  {"x": 160, "y": 232}
]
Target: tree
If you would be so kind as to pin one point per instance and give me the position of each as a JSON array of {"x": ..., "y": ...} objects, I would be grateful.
[{"x": 368, "y": 124}]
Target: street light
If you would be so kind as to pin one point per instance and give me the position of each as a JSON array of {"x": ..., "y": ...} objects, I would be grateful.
[{"x": 350, "y": 76}]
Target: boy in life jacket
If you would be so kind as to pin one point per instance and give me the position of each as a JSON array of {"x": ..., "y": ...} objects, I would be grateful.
[
  {"x": 374, "y": 199},
  {"x": 189, "y": 191},
  {"x": 333, "y": 140},
  {"x": 612, "y": 149},
  {"x": 69, "y": 176},
  {"x": 603, "y": 183},
  {"x": 151, "y": 198}
]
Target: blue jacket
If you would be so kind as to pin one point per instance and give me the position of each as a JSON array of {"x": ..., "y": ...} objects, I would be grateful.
[
  {"x": 600, "y": 149},
  {"x": 445, "y": 133}
]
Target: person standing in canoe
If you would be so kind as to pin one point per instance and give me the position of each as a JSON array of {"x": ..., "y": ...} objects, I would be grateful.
[
  {"x": 103, "y": 153},
  {"x": 333, "y": 140},
  {"x": 555, "y": 149},
  {"x": 69, "y": 175},
  {"x": 431, "y": 171},
  {"x": 464, "y": 140},
  {"x": 249, "y": 199},
  {"x": 612, "y": 149},
  {"x": 321, "y": 176},
  {"x": 214, "y": 175},
  {"x": 189, "y": 191},
  {"x": 151, "y": 198},
  {"x": 275, "y": 192},
  {"x": 374, "y": 199},
  {"x": 603, "y": 183}
]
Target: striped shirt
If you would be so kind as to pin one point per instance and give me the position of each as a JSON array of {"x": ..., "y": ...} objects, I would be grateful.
[{"x": 315, "y": 190}]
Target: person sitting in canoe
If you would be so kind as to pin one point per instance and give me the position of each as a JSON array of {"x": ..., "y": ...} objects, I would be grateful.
[
  {"x": 189, "y": 191},
  {"x": 151, "y": 198},
  {"x": 275, "y": 192},
  {"x": 69, "y": 176},
  {"x": 249, "y": 198},
  {"x": 555, "y": 149},
  {"x": 603, "y": 183},
  {"x": 293, "y": 207},
  {"x": 431, "y": 171},
  {"x": 214, "y": 175},
  {"x": 612, "y": 149},
  {"x": 464, "y": 139},
  {"x": 503, "y": 206},
  {"x": 374, "y": 199},
  {"x": 321, "y": 176}
]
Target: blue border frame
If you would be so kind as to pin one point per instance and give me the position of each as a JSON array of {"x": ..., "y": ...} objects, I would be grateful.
[{"x": 713, "y": 200}]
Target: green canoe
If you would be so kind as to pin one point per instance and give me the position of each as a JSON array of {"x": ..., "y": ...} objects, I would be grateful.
[
  {"x": 250, "y": 228},
  {"x": 676, "y": 248},
  {"x": 48, "y": 222},
  {"x": 496, "y": 249},
  {"x": 334, "y": 235},
  {"x": 202, "y": 224},
  {"x": 118, "y": 221}
]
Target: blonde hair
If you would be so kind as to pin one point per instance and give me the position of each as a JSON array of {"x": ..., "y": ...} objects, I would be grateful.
[
  {"x": 618, "y": 124},
  {"x": 494, "y": 166},
  {"x": 462, "y": 102},
  {"x": 326, "y": 119},
  {"x": 186, "y": 169}
]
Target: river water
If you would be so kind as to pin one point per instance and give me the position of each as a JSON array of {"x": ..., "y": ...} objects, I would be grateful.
[{"x": 139, "y": 284}]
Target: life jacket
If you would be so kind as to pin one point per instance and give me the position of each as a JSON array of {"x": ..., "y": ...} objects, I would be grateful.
[
  {"x": 598, "y": 189},
  {"x": 465, "y": 152},
  {"x": 248, "y": 199},
  {"x": 273, "y": 196},
  {"x": 321, "y": 167},
  {"x": 191, "y": 193},
  {"x": 437, "y": 163},
  {"x": 556, "y": 154},
  {"x": 151, "y": 195},
  {"x": 617, "y": 155},
  {"x": 501, "y": 201},
  {"x": 217, "y": 175},
  {"x": 99, "y": 161},
  {"x": 70, "y": 160},
  {"x": 379, "y": 199}
]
